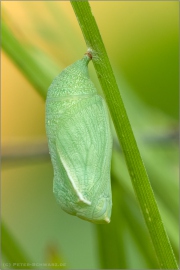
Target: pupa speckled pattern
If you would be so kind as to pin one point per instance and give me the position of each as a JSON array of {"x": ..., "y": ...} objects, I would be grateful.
[{"x": 80, "y": 144}]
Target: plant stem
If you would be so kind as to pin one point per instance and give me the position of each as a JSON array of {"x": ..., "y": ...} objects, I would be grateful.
[{"x": 125, "y": 135}]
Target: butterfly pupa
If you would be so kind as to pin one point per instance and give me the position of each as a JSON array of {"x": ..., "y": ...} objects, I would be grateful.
[{"x": 80, "y": 144}]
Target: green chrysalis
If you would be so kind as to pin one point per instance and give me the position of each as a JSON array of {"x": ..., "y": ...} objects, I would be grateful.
[{"x": 80, "y": 144}]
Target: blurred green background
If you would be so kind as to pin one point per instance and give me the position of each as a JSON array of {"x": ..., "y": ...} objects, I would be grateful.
[{"x": 141, "y": 39}]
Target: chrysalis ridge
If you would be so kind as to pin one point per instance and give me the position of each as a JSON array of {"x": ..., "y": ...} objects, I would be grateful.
[{"x": 80, "y": 144}]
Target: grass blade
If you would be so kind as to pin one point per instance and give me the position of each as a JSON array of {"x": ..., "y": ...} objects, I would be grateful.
[{"x": 12, "y": 250}]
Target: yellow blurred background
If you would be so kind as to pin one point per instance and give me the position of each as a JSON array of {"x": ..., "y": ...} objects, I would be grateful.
[{"x": 141, "y": 38}]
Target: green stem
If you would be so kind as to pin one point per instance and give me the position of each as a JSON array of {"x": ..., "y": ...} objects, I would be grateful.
[{"x": 125, "y": 135}]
